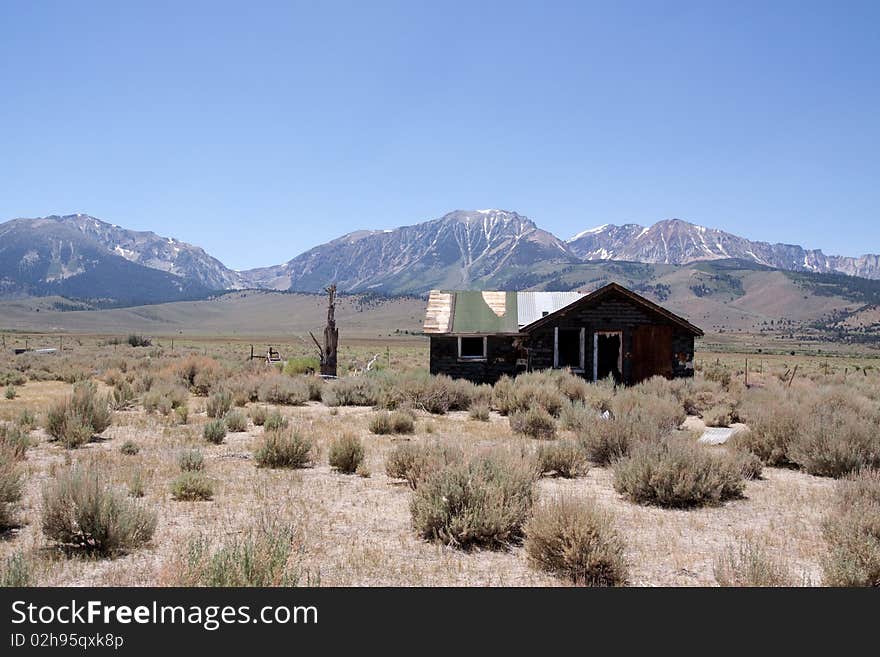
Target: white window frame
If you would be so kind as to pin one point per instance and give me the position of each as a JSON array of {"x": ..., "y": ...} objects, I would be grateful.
[
  {"x": 596, "y": 335},
  {"x": 583, "y": 340},
  {"x": 472, "y": 359}
]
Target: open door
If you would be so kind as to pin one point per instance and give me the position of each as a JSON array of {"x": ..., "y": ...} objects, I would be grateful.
[
  {"x": 651, "y": 352},
  {"x": 608, "y": 355}
]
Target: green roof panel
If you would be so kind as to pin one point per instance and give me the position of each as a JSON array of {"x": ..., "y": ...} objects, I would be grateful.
[{"x": 473, "y": 313}]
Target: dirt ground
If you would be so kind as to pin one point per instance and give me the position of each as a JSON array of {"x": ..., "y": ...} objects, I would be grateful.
[{"x": 357, "y": 531}]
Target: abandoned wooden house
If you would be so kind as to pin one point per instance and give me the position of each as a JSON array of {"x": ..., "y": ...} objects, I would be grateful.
[{"x": 610, "y": 332}]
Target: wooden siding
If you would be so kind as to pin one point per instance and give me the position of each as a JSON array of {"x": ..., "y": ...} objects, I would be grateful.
[{"x": 668, "y": 355}]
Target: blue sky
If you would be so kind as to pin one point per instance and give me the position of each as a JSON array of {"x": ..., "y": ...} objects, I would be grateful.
[{"x": 260, "y": 129}]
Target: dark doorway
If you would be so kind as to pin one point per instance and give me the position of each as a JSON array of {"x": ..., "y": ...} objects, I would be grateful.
[
  {"x": 569, "y": 349},
  {"x": 608, "y": 356}
]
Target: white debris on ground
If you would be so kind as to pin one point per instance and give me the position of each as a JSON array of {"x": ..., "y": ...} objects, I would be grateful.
[{"x": 711, "y": 435}]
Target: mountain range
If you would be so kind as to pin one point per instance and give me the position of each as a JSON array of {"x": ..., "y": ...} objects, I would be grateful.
[{"x": 79, "y": 256}]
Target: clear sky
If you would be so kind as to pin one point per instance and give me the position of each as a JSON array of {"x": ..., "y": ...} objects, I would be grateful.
[{"x": 259, "y": 129}]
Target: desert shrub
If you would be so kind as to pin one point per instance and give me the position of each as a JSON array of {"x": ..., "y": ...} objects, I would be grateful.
[
  {"x": 136, "y": 482},
  {"x": 565, "y": 458},
  {"x": 835, "y": 442},
  {"x": 274, "y": 421},
  {"x": 258, "y": 415},
  {"x": 191, "y": 460},
  {"x": 199, "y": 373},
  {"x": 243, "y": 388},
  {"x": 775, "y": 420},
  {"x": 235, "y": 421},
  {"x": 215, "y": 431},
  {"x": 11, "y": 485},
  {"x": 750, "y": 465},
  {"x": 677, "y": 474},
  {"x": 76, "y": 419},
  {"x": 634, "y": 418},
  {"x": 280, "y": 389},
  {"x": 122, "y": 397},
  {"x": 16, "y": 571},
  {"x": 284, "y": 449},
  {"x": 479, "y": 412},
  {"x": 10, "y": 392},
  {"x": 346, "y": 453},
  {"x": 576, "y": 541},
  {"x": 302, "y": 365},
  {"x": 192, "y": 486},
  {"x": 413, "y": 461},
  {"x": 352, "y": 391},
  {"x": 129, "y": 448},
  {"x": 26, "y": 419},
  {"x": 697, "y": 395},
  {"x": 315, "y": 386},
  {"x": 12, "y": 378},
  {"x": 717, "y": 373},
  {"x": 164, "y": 398},
  {"x": 720, "y": 415},
  {"x": 181, "y": 413},
  {"x": 139, "y": 341},
  {"x": 434, "y": 394},
  {"x": 14, "y": 440},
  {"x": 534, "y": 423},
  {"x": 749, "y": 563},
  {"x": 852, "y": 532},
  {"x": 481, "y": 501},
  {"x": 263, "y": 556},
  {"x": 384, "y": 422},
  {"x": 80, "y": 511},
  {"x": 575, "y": 416},
  {"x": 219, "y": 403}
]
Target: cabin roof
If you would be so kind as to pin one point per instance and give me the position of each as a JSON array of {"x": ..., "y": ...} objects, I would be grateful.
[{"x": 506, "y": 312}]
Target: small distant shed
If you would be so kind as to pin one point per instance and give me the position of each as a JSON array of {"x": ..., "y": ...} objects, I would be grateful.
[{"x": 613, "y": 331}]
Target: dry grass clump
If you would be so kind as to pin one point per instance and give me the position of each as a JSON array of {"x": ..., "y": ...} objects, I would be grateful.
[
  {"x": 17, "y": 571},
  {"x": 479, "y": 411},
  {"x": 274, "y": 421},
  {"x": 564, "y": 458},
  {"x": 414, "y": 461},
  {"x": 14, "y": 440},
  {"x": 10, "y": 393},
  {"x": 749, "y": 563},
  {"x": 535, "y": 423},
  {"x": 285, "y": 390},
  {"x": 480, "y": 501},
  {"x": 81, "y": 512},
  {"x": 236, "y": 421},
  {"x": 284, "y": 449},
  {"x": 575, "y": 416},
  {"x": 677, "y": 474},
  {"x": 434, "y": 394},
  {"x": 383, "y": 423},
  {"x": 215, "y": 431},
  {"x": 192, "y": 486},
  {"x": 84, "y": 414},
  {"x": 219, "y": 403},
  {"x": 11, "y": 485},
  {"x": 575, "y": 540},
  {"x": 263, "y": 556},
  {"x": 852, "y": 532},
  {"x": 346, "y": 453}
]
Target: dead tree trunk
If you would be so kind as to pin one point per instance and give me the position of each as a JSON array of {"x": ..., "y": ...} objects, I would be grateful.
[{"x": 327, "y": 353}]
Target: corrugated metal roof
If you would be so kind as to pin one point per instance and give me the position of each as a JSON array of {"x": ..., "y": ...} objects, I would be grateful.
[{"x": 532, "y": 306}]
